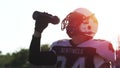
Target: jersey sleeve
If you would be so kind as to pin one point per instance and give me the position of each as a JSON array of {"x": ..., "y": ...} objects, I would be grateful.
[
  {"x": 63, "y": 42},
  {"x": 52, "y": 45}
]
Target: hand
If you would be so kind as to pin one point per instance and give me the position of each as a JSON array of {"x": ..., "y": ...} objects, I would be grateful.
[
  {"x": 40, "y": 25},
  {"x": 42, "y": 20}
]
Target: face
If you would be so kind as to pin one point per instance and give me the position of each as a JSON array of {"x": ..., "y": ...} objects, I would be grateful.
[{"x": 87, "y": 27}]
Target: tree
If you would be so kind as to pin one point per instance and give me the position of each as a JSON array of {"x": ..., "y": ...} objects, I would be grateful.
[
  {"x": 5, "y": 60},
  {"x": 20, "y": 58},
  {"x": 0, "y": 52},
  {"x": 45, "y": 47}
]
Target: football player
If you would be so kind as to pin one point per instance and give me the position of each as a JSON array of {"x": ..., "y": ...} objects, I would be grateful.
[{"x": 80, "y": 51}]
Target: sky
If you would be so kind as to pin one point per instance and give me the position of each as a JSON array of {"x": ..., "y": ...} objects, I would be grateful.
[{"x": 17, "y": 24}]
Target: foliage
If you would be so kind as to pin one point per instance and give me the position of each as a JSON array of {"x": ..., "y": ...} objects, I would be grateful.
[
  {"x": 18, "y": 59},
  {"x": 45, "y": 47},
  {"x": 5, "y": 60}
]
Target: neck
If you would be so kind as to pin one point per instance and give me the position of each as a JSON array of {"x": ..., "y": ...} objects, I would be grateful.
[{"x": 80, "y": 39}]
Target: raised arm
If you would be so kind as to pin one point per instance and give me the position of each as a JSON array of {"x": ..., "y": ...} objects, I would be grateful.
[{"x": 35, "y": 55}]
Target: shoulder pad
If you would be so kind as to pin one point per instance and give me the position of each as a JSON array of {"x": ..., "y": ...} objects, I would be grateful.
[
  {"x": 105, "y": 49},
  {"x": 63, "y": 42}
]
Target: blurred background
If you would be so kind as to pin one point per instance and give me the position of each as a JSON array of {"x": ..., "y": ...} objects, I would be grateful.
[{"x": 17, "y": 25}]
